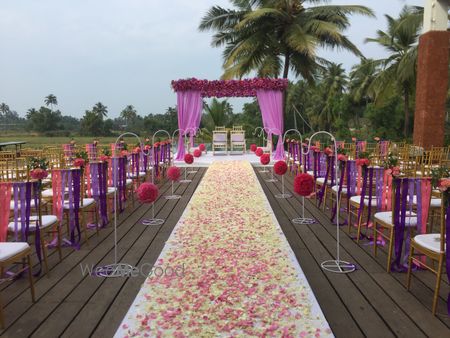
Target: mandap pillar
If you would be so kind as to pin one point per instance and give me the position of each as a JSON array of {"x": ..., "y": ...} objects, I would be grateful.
[{"x": 432, "y": 76}]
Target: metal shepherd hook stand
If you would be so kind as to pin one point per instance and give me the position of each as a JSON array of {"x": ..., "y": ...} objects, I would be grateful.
[
  {"x": 117, "y": 269},
  {"x": 153, "y": 220},
  {"x": 169, "y": 197},
  {"x": 195, "y": 131},
  {"x": 261, "y": 134},
  {"x": 300, "y": 220},
  {"x": 283, "y": 193},
  {"x": 185, "y": 180},
  {"x": 334, "y": 265}
]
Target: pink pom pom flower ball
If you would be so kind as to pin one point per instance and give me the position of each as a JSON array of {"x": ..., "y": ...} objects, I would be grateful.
[
  {"x": 197, "y": 153},
  {"x": 280, "y": 168},
  {"x": 265, "y": 159},
  {"x": 173, "y": 173},
  {"x": 147, "y": 192},
  {"x": 188, "y": 158}
]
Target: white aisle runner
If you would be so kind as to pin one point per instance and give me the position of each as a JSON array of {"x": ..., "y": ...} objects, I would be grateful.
[{"x": 236, "y": 274}]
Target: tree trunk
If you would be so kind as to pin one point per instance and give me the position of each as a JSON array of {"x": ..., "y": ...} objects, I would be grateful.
[
  {"x": 287, "y": 61},
  {"x": 406, "y": 109}
]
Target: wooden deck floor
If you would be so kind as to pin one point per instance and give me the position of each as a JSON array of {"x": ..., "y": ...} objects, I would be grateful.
[
  {"x": 368, "y": 302},
  {"x": 72, "y": 305}
]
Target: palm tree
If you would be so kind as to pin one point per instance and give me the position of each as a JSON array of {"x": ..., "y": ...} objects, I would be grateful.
[
  {"x": 31, "y": 112},
  {"x": 398, "y": 70},
  {"x": 332, "y": 85},
  {"x": 50, "y": 100},
  {"x": 4, "y": 108},
  {"x": 362, "y": 76},
  {"x": 219, "y": 111},
  {"x": 276, "y": 36},
  {"x": 128, "y": 114},
  {"x": 100, "y": 109}
]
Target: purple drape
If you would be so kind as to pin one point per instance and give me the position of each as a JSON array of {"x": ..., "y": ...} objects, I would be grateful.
[
  {"x": 189, "y": 106},
  {"x": 271, "y": 104}
]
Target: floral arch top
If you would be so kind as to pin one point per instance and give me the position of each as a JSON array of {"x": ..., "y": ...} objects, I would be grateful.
[{"x": 229, "y": 88}]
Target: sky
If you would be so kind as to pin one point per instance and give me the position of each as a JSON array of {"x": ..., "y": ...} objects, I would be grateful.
[{"x": 122, "y": 52}]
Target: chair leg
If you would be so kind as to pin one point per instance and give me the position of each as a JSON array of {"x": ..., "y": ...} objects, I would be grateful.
[
  {"x": 84, "y": 222},
  {"x": 30, "y": 277},
  {"x": 324, "y": 199},
  {"x": 44, "y": 252},
  {"x": 2, "y": 320},
  {"x": 438, "y": 285},
  {"x": 349, "y": 219},
  {"x": 359, "y": 226},
  {"x": 375, "y": 235},
  {"x": 96, "y": 220},
  {"x": 59, "y": 234},
  {"x": 391, "y": 248},
  {"x": 408, "y": 274}
]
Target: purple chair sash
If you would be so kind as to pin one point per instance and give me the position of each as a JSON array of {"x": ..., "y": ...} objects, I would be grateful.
[
  {"x": 406, "y": 188},
  {"x": 367, "y": 189},
  {"x": 329, "y": 173},
  {"x": 119, "y": 178},
  {"x": 340, "y": 184},
  {"x": 71, "y": 178},
  {"x": 23, "y": 193},
  {"x": 99, "y": 182}
]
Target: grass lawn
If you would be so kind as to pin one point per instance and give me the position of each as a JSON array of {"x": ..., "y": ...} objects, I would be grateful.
[{"x": 38, "y": 141}]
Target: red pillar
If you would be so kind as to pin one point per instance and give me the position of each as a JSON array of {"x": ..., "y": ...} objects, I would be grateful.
[{"x": 431, "y": 89}]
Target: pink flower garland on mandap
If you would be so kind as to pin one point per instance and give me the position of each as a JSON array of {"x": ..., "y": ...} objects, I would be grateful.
[{"x": 229, "y": 88}]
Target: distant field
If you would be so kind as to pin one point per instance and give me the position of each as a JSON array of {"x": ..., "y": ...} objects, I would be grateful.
[
  {"x": 34, "y": 141},
  {"x": 41, "y": 141}
]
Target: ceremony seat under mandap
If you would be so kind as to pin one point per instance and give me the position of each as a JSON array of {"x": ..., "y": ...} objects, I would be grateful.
[
  {"x": 237, "y": 139},
  {"x": 220, "y": 140}
]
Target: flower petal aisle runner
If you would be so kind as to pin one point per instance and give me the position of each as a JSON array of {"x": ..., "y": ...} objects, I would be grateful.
[{"x": 240, "y": 277}]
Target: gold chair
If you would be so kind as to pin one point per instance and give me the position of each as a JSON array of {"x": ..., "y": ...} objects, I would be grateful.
[
  {"x": 432, "y": 245},
  {"x": 385, "y": 221},
  {"x": 15, "y": 253}
]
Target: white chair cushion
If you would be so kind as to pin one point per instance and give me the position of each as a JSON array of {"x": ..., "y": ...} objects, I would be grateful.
[
  {"x": 357, "y": 199},
  {"x": 47, "y": 220},
  {"x": 86, "y": 202},
  {"x": 335, "y": 188},
  {"x": 430, "y": 241},
  {"x": 386, "y": 217},
  {"x": 310, "y": 172},
  {"x": 10, "y": 249},
  {"x": 129, "y": 181},
  {"x": 11, "y": 204},
  {"x": 111, "y": 190},
  {"x": 321, "y": 180},
  {"x": 434, "y": 203},
  {"x": 47, "y": 193}
]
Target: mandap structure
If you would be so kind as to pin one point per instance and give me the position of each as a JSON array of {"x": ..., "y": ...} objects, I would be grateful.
[{"x": 269, "y": 93}]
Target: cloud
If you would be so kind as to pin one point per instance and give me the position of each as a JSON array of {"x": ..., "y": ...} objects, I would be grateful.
[{"x": 120, "y": 52}]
